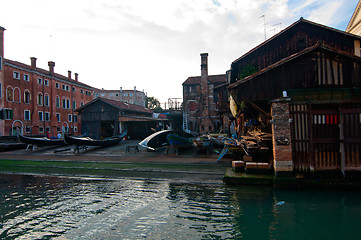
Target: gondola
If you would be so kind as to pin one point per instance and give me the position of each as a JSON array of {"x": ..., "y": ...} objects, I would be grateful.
[
  {"x": 41, "y": 141},
  {"x": 158, "y": 140},
  {"x": 87, "y": 141},
  {"x": 175, "y": 140}
]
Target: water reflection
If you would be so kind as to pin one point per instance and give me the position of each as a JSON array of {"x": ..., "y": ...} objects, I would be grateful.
[{"x": 34, "y": 207}]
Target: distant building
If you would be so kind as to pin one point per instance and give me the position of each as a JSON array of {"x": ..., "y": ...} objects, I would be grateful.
[
  {"x": 200, "y": 100},
  {"x": 128, "y": 96},
  {"x": 35, "y": 100},
  {"x": 354, "y": 26}
]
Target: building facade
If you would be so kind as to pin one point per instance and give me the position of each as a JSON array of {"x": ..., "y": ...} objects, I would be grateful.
[
  {"x": 38, "y": 101},
  {"x": 200, "y": 112},
  {"x": 128, "y": 96}
]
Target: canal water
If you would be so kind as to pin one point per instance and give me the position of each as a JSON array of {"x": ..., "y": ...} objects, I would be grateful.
[{"x": 48, "y": 207}]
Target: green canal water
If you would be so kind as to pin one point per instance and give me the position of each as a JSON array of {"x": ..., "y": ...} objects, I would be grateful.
[{"x": 48, "y": 207}]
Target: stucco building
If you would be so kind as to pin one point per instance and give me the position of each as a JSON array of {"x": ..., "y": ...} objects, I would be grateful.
[{"x": 127, "y": 96}]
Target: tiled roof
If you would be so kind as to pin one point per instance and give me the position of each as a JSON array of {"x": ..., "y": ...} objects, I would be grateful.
[
  {"x": 120, "y": 105},
  {"x": 221, "y": 78},
  {"x": 46, "y": 73}
]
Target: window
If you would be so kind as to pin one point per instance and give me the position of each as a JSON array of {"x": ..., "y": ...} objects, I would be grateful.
[
  {"x": 81, "y": 103},
  {"x": 68, "y": 103},
  {"x": 130, "y": 94},
  {"x": 47, "y": 129},
  {"x": 73, "y": 89},
  {"x": 41, "y": 129},
  {"x": 40, "y": 99},
  {"x": 67, "y": 87},
  {"x": 27, "y": 129},
  {"x": 46, "y": 82},
  {"x": 47, "y": 116},
  {"x": 46, "y": 100},
  {"x": 27, "y": 96},
  {"x": 97, "y": 95},
  {"x": 63, "y": 103},
  {"x": 125, "y": 94},
  {"x": 117, "y": 94},
  {"x": 26, "y": 77},
  {"x": 75, "y": 129},
  {"x": 57, "y": 101},
  {"x": 74, "y": 104},
  {"x": 82, "y": 91},
  {"x": 41, "y": 116},
  {"x": 88, "y": 93},
  {"x": 110, "y": 94},
  {"x": 9, "y": 94},
  {"x": 27, "y": 115},
  {"x": 57, "y": 85},
  {"x": 75, "y": 118},
  {"x": 69, "y": 118},
  {"x": 16, "y": 75},
  {"x": 102, "y": 94},
  {"x": 8, "y": 114},
  {"x": 1, "y": 63},
  {"x": 40, "y": 81},
  {"x": 58, "y": 117}
]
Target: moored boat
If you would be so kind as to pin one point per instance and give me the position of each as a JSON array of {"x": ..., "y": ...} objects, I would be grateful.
[{"x": 158, "y": 140}]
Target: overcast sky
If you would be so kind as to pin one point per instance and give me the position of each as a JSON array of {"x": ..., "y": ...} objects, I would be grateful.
[{"x": 153, "y": 45}]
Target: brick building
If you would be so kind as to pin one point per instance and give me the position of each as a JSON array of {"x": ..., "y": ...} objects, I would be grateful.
[
  {"x": 200, "y": 113},
  {"x": 35, "y": 100},
  {"x": 128, "y": 96}
]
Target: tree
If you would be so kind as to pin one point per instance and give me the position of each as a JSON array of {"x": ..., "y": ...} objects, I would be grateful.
[{"x": 153, "y": 103}]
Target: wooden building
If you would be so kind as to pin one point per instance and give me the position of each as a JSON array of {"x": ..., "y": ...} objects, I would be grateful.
[
  {"x": 306, "y": 83},
  {"x": 104, "y": 118},
  {"x": 200, "y": 100},
  {"x": 35, "y": 100}
]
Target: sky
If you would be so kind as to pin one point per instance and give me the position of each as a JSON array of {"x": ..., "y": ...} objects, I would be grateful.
[{"x": 153, "y": 45}]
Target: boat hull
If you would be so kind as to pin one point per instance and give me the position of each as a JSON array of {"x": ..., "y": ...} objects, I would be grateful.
[
  {"x": 42, "y": 141},
  {"x": 178, "y": 141},
  {"x": 86, "y": 141}
]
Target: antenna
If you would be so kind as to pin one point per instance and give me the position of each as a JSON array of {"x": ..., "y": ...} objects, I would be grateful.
[
  {"x": 278, "y": 24},
  {"x": 264, "y": 25}
]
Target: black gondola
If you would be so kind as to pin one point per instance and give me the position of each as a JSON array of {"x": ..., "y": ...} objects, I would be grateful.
[
  {"x": 87, "y": 141},
  {"x": 42, "y": 141}
]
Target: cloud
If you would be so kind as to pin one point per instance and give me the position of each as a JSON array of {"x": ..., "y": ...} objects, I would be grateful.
[{"x": 149, "y": 44}]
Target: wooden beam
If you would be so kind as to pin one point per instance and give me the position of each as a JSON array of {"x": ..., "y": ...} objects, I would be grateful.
[{"x": 260, "y": 109}]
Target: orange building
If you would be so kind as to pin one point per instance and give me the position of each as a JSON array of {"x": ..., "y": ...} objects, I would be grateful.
[{"x": 36, "y": 101}]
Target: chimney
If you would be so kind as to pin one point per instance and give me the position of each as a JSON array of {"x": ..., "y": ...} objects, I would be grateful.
[
  {"x": 51, "y": 65},
  {"x": 121, "y": 94},
  {"x": 76, "y": 77},
  {"x": 135, "y": 91},
  {"x": 1, "y": 45},
  {"x": 69, "y": 74},
  {"x": 33, "y": 62},
  {"x": 204, "y": 74}
]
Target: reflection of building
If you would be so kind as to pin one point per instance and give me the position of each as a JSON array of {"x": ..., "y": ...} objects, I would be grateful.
[
  {"x": 35, "y": 101},
  {"x": 128, "y": 96},
  {"x": 354, "y": 26},
  {"x": 200, "y": 101},
  {"x": 307, "y": 85}
]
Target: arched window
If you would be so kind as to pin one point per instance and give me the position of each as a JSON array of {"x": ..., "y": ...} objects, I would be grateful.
[
  {"x": 57, "y": 101},
  {"x": 9, "y": 94},
  {"x": 46, "y": 100},
  {"x": 27, "y": 96},
  {"x": 40, "y": 99}
]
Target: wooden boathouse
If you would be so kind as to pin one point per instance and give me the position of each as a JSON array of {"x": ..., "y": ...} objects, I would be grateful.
[
  {"x": 307, "y": 81},
  {"x": 105, "y": 117}
]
